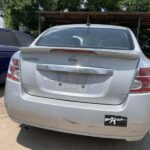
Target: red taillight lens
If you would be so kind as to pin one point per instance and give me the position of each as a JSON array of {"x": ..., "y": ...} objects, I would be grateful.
[
  {"x": 13, "y": 70},
  {"x": 142, "y": 81}
]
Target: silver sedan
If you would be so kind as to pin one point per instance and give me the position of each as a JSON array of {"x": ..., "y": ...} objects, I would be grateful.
[{"x": 90, "y": 80}]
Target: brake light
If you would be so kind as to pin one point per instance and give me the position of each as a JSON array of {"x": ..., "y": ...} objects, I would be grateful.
[
  {"x": 141, "y": 83},
  {"x": 73, "y": 51},
  {"x": 14, "y": 70}
]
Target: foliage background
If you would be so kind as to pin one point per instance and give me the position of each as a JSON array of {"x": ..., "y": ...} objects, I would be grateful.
[{"x": 24, "y": 12}]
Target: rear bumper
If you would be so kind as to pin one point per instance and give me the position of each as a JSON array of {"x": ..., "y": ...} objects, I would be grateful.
[{"x": 78, "y": 118}]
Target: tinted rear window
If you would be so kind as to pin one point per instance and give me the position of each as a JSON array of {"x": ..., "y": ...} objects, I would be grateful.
[
  {"x": 9, "y": 38},
  {"x": 99, "y": 38},
  {"x": 23, "y": 39}
]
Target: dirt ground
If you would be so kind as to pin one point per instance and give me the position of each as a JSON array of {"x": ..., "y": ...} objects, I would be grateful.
[{"x": 17, "y": 137}]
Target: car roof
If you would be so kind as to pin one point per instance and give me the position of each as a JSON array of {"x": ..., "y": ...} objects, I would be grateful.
[{"x": 91, "y": 26}]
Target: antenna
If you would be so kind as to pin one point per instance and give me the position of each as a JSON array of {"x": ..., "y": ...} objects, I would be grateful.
[{"x": 88, "y": 20}]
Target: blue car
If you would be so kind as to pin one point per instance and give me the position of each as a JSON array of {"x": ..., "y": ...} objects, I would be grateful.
[{"x": 10, "y": 41}]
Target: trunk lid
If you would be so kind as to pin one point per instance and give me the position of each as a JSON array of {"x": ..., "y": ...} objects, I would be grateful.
[{"x": 87, "y": 75}]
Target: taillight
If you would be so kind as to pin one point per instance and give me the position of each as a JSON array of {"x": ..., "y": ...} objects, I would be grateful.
[
  {"x": 141, "y": 83},
  {"x": 14, "y": 70}
]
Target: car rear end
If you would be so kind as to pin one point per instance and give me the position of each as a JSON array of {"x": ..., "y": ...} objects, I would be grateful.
[{"x": 85, "y": 80}]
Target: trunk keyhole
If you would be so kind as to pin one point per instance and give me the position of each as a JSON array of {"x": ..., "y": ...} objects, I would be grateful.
[
  {"x": 60, "y": 84},
  {"x": 83, "y": 86}
]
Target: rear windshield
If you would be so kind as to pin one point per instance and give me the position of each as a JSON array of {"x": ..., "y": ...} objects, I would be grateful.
[
  {"x": 99, "y": 38},
  {"x": 9, "y": 38},
  {"x": 24, "y": 40}
]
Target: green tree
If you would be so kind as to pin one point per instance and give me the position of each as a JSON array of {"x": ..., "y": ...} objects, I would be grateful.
[
  {"x": 110, "y": 5},
  {"x": 90, "y": 5},
  {"x": 135, "y": 5},
  {"x": 71, "y": 5},
  {"x": 1, "y": 4},
  {"x": 18, "y": 12}
]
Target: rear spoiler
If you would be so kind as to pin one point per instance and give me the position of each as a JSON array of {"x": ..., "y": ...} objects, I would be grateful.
[{"x": 126, "y": 54}]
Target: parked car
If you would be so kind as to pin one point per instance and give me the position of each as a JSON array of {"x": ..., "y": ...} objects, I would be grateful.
[
  {"x": 89, "y": 80},
  {"x": 10, "y": 41}
]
